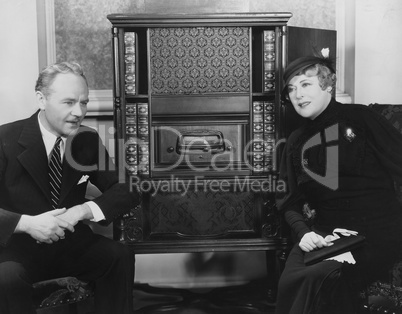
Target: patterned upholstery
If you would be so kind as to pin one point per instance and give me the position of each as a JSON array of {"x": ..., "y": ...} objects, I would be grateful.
[
  {"x": 393, "y": 113},
  {"x": 61, "y": 291}
]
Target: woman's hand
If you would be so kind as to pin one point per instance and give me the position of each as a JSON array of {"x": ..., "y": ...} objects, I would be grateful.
[{"x": 311, "y": 241}]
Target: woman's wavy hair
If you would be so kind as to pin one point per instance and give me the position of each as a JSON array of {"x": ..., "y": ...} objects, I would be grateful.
[{"x": 325, "y": 76}]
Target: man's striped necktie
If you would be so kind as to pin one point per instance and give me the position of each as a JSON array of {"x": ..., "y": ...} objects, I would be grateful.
[{"x": 55, "y": 173}]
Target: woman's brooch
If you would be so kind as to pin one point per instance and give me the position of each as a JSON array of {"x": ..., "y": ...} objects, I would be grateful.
[{"x": 349, "y": 134}]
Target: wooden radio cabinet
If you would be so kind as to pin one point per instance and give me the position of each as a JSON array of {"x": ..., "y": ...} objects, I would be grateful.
[{"x": 199, "y": 126}]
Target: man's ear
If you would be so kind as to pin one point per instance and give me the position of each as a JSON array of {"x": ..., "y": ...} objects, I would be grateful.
[{"x": 41, "y": 100}]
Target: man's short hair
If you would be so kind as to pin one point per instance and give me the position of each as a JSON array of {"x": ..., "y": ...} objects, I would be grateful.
[{"x": 48, "y": 74}]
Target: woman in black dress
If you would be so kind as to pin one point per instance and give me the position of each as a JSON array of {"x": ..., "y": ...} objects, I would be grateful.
[{"x": 343, "y": 163}]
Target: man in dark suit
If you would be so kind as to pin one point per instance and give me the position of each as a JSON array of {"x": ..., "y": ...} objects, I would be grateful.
[{"x": 43, "y": 205}]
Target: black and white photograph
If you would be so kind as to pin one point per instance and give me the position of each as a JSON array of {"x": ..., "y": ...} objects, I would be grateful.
[{"x": 200, "y": 157}]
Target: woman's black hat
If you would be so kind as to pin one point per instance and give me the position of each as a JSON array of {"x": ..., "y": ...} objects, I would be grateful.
[{"x": 299, "y": 65}]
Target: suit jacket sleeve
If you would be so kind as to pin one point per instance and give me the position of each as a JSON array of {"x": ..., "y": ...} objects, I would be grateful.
[
  {"x": 116, "y": 198},
  {"x": 8, "y": 219}
]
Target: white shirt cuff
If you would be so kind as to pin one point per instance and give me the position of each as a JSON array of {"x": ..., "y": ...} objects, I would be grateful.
[{"x": 96, "y": 211}]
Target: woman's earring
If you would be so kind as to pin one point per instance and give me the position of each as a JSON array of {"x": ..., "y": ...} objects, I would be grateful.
[{"x": 329, "y": 90}]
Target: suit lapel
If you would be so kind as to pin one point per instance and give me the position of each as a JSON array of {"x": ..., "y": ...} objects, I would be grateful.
[
  {"x": 74, "y": 158},
  {"x": 70, "y": 178},
  {"x": 34, "y": 158}
]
